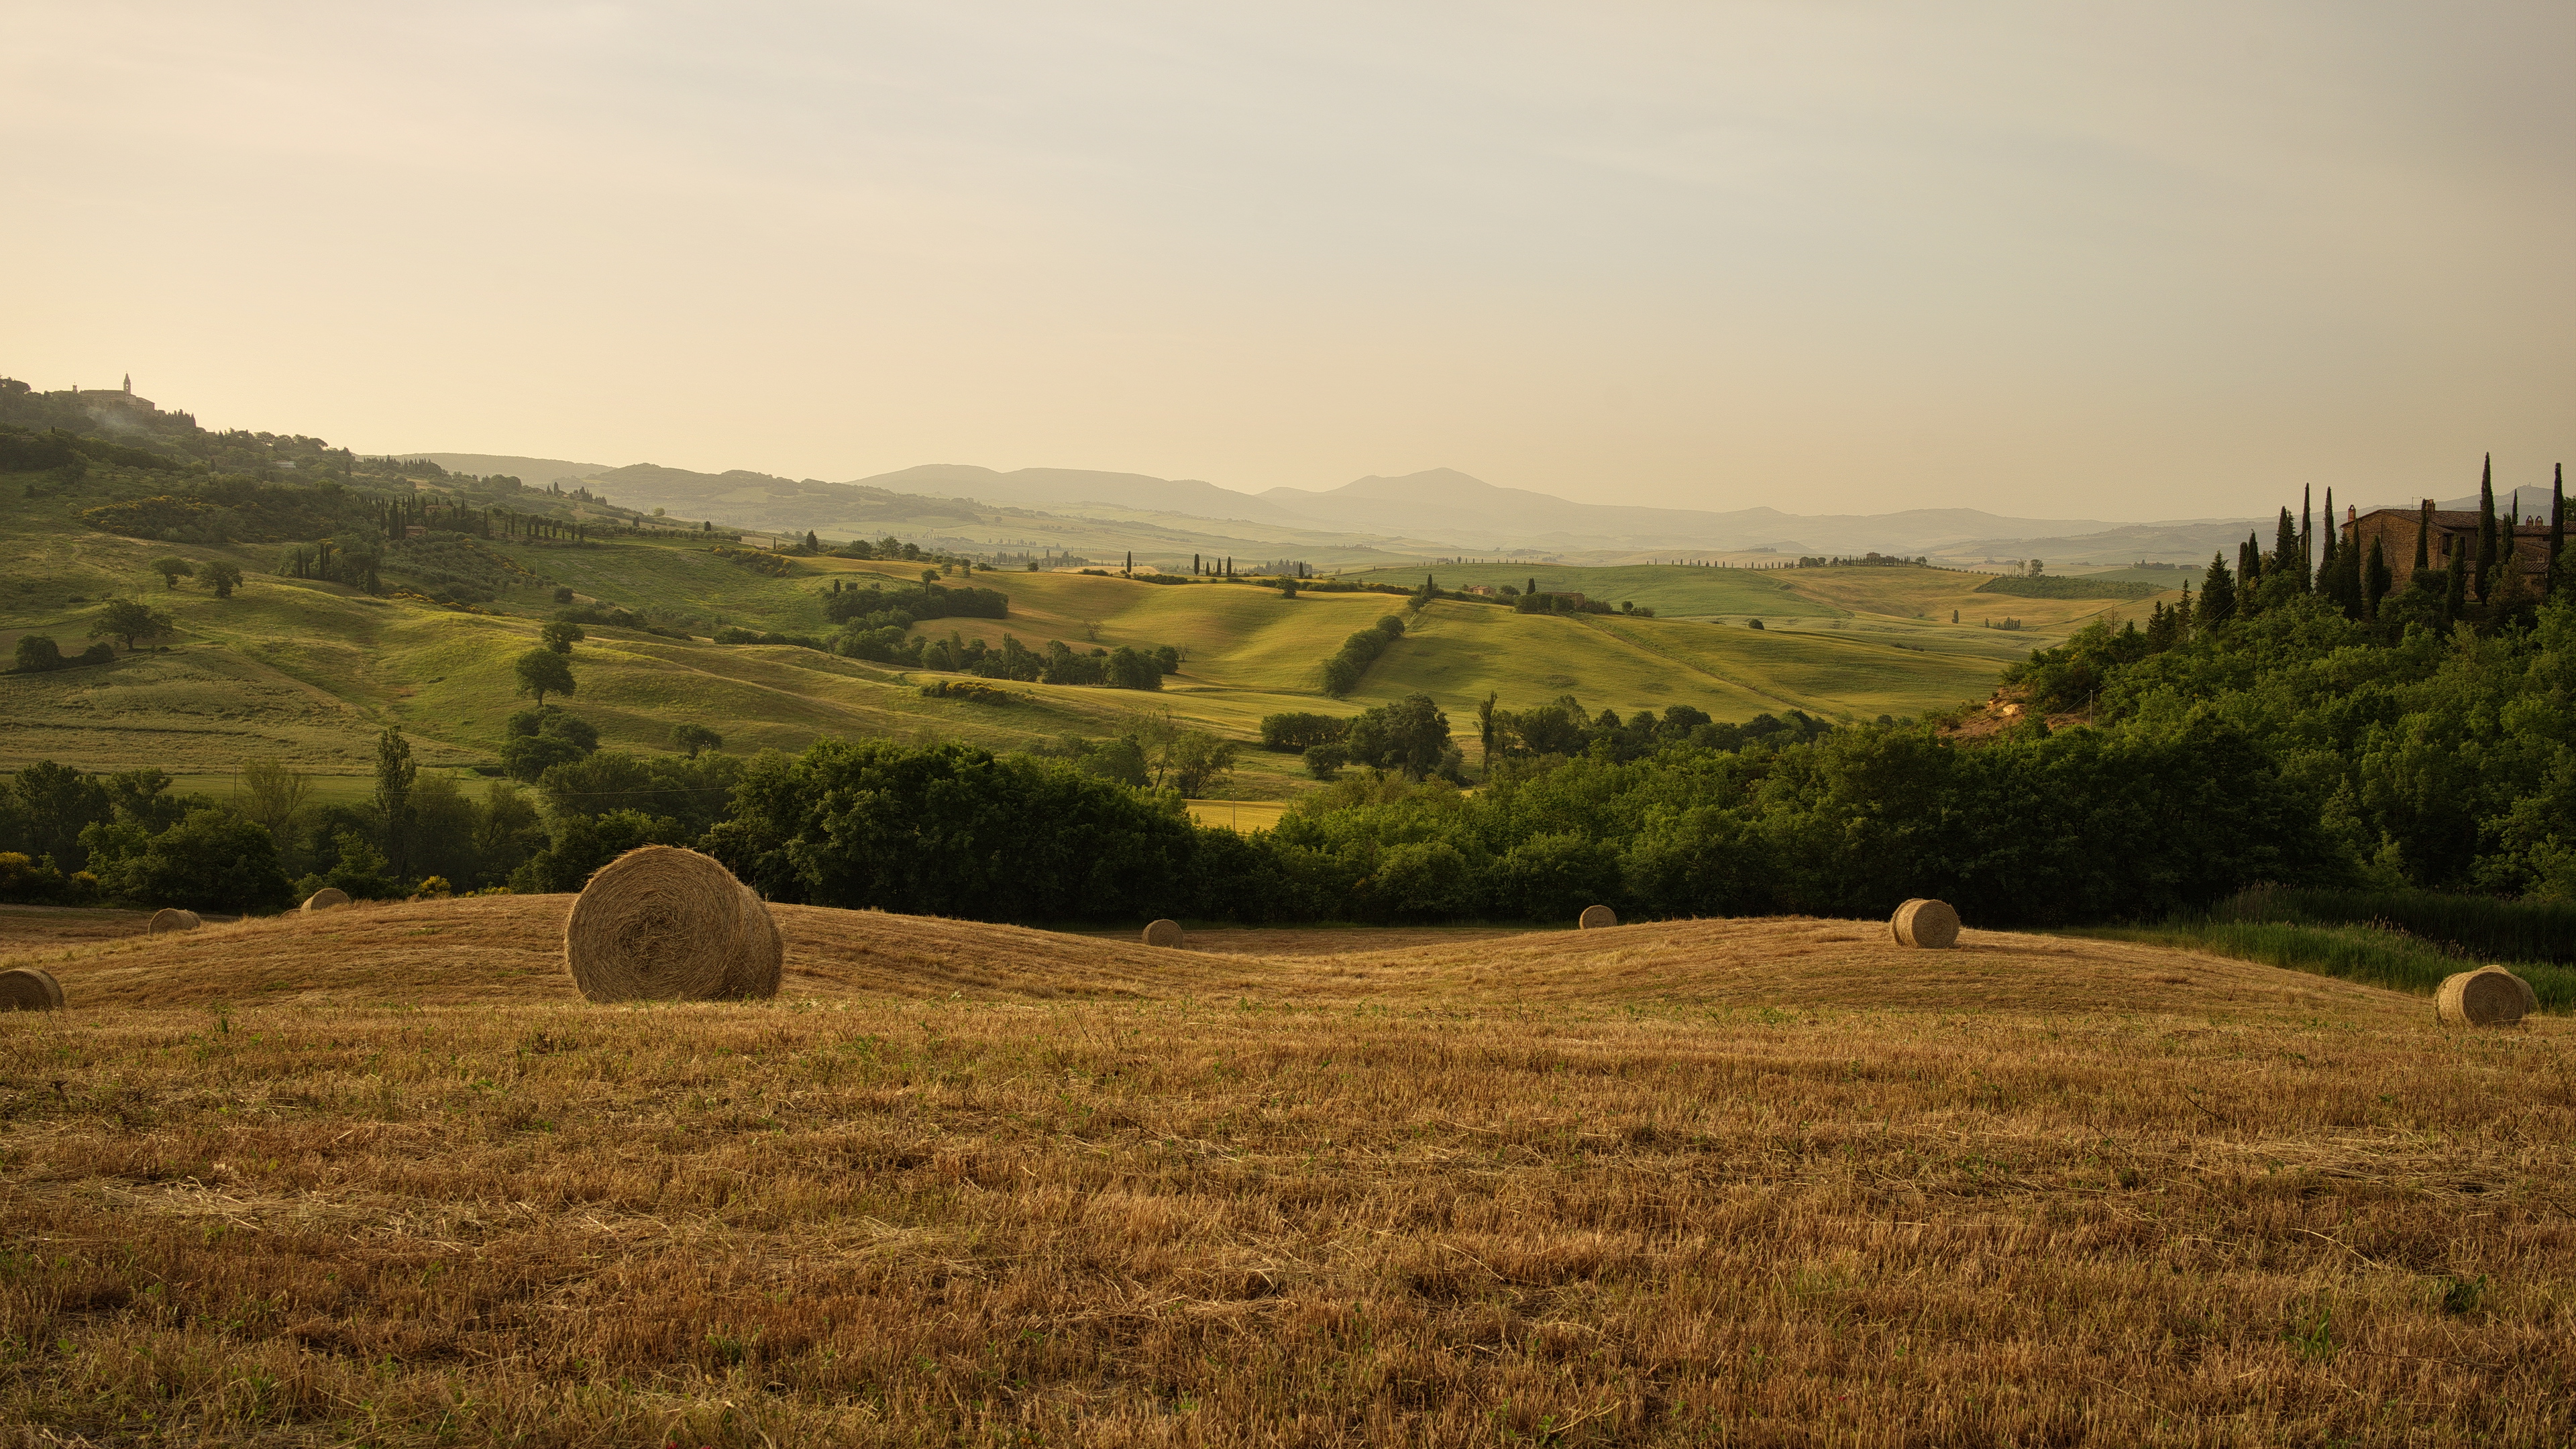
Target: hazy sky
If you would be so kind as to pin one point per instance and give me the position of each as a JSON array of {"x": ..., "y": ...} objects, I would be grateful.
[{"x": 2124, "y": 261}]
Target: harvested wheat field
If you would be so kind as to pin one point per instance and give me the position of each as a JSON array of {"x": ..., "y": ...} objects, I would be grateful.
[{"x": 379, "y": 1176}]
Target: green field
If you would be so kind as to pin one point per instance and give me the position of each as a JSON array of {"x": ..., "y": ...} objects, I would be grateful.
[{"x": 310, "y": 671}]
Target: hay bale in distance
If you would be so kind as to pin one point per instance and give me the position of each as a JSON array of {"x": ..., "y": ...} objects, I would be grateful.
[
  {"x": 1925, "y": 925},
  {"x": 325, "y": 898},
  {"x": 660, "y": 923},
  {"x": 1596, "y": 918},
  {"x": 170, "y": 918},
  {"x": 2488, "y": 996},
  {"x": 30, "y": 988},
  {"x": 1166, "y": 934}
]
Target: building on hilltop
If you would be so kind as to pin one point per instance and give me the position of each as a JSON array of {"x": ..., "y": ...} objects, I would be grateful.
[
  {"x": 96, "y": 397},
  {"x": 2446, "y": 530}
]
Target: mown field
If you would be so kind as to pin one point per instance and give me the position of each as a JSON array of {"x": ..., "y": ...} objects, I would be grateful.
[
  {"x": 309, "y": 671},
  {"x": 378, "y": 1177}
]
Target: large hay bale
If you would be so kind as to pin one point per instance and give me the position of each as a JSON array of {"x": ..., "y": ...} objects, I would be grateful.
[
  {"x": 660, "y": 923},
  {"x": 2488, "y": 996},
  {"x": 1925, "y": 925},
  {"x": 325, "y": 898},
  {"x": 30, "y": 988},
  {"x": 1596, "y": 918},
  {"x": 1164, "y": 933},
  {"x": 169, "y": 918}
]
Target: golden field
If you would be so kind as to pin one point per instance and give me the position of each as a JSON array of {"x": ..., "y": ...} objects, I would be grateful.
[{"x": 378, "y": 1176}]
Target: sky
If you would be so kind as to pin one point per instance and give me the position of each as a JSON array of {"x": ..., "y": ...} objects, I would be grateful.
[{"x": 2103, "y": 261}]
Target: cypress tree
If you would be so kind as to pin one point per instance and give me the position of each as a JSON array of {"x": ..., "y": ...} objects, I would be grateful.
[
  {"x": 2557, "y": 521},
  {"x": 2307, "y": 539},
  {"x": 2375, "y": 581},
  {"x": 2486, "y": 528},
  {"x": 2424, "y": 538},
  {"x": 2326, "y": 553},
  {"x": 2217, "y": 594},
  {"x": 2285, "y": 546}
]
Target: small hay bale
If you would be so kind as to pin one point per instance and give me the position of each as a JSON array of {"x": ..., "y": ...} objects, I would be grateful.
[
  {"x": 1166, "y": 934},
  {"x": 1925, "y": 925},
  {"x": 30, "y": 988},
  {"x": 170, "y": 918},
  {"x": 325, "y": 898},
  {"x": 2488, "y": 996},
  {"x": 660, "y": 923},
  {"x": 1596, "y": 918}
]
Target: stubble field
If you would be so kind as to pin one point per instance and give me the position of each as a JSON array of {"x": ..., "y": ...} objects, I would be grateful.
[{"x": 379, "y": 1177}]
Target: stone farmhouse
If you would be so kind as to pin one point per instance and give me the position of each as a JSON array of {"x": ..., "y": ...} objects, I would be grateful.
[{"x": 2446, "y": 530}]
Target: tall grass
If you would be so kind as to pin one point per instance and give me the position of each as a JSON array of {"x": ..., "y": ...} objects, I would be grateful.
[
  {"x": 2407, "y": 941},
  {"x": 2481, "y": 926}
]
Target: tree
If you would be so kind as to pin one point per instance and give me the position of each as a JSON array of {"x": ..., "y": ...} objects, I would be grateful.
[
  {"x": 58, "y": 803},
  {"x": 1133, "y": 669},
  {"x": 560, "y": 636},
  {"x": 1485, "y": 720},
  {"x": 2326, "y": 554},
  {"x": 2217, "y": 594},
  {"x": 211, "y": 860},
  {"x": 38, "y": 653},
  {"x": 1194, "y": 761},
  {"x": 535, "y": 740},
  {"x": 2455, "y": 597},
  {"x": 2557, "y": 522},
  {"x": 2481, "y": 580},
  {"x": 2424, "y": 542},
  {"x": 1408, "y": 736},
  {"x": 690, "y": 739},
  {"x": 395, "y": 775},
  {"x": 130, "y": 620},
  {"x": 225, "y": 577},
  {"x": 172, "y": 569},
  {"x": 2375, "y": 582},
  {"x": 1287, "y": 586},
  {"x": 273, "y": 796},
  {"x": 542, "y": 672}
]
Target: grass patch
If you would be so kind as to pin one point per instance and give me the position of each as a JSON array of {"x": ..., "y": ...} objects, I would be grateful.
[{"x": 2361, "y": 952}]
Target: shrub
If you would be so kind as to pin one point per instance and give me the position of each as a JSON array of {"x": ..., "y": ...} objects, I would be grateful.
[{"x": 1297, "y": 731}]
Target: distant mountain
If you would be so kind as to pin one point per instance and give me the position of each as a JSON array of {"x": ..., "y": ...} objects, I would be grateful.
[
  {"x": 535, "y": 472},
  {"x": 1059, "y": 488},
  {"x": 1445, "y": 503}
]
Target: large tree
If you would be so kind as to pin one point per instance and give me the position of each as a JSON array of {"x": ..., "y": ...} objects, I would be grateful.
[
  {"x": 395, "y": 776},
  {"x": 130, "y": 620},
  {"x": 542, "y": 672}
]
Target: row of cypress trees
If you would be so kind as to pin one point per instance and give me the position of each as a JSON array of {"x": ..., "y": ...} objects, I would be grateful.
[{"x": 2357, "y": 579}]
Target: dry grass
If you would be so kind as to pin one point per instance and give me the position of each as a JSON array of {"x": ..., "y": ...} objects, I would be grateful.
[{"x": 379, "y": 1177}]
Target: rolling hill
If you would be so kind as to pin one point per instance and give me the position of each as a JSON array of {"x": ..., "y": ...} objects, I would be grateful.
[{"x": 307, "y": 670}]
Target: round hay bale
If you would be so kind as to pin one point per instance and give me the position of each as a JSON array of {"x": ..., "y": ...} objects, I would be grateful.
[
  {"x": 660, "y": 923},
  {"x": 170, "y": 918},
  {"x": 1596, "y": 918},
  {"x": 2530, "y": 998},
  {"x": 30, "y": 988},
  {"x": 1925, "y": 925},
  {"x": 2488, "y": 996},
  {"x": 1166, "y": 934},
  {"x": 325, "y": 898}
]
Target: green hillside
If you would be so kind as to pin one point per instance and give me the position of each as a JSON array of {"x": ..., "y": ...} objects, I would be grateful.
[{"x": 309, "y": 670}]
